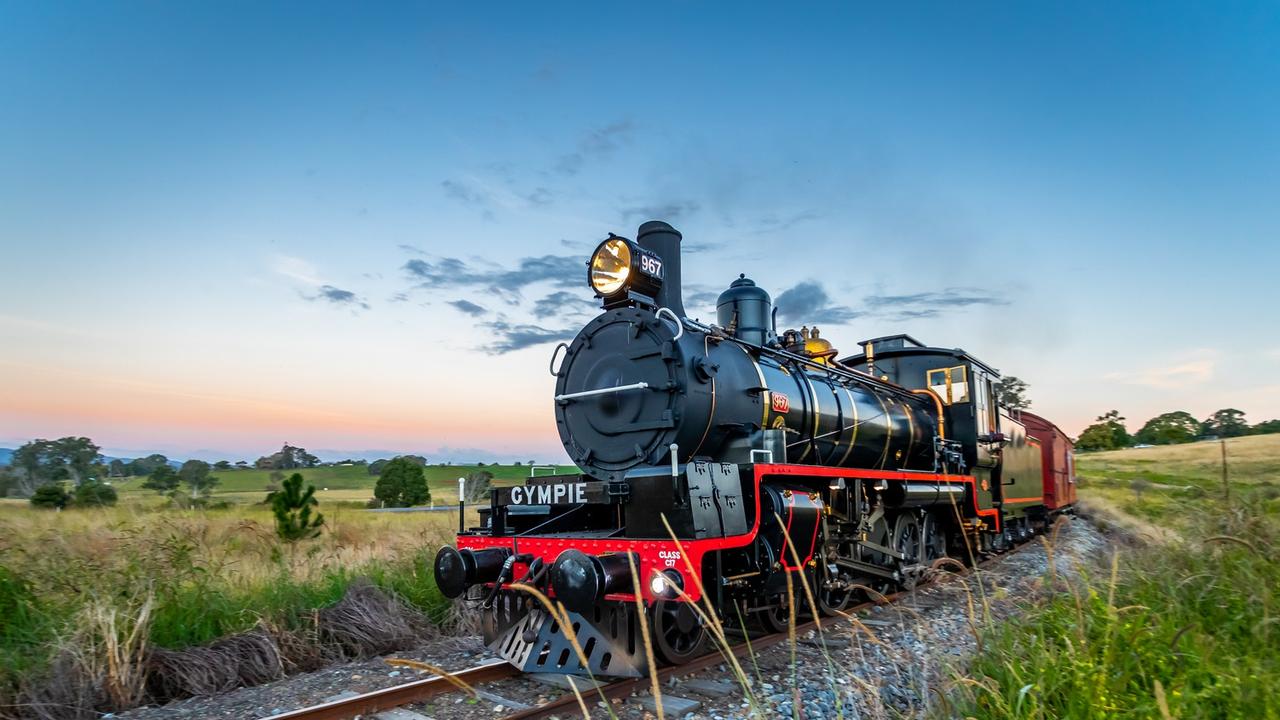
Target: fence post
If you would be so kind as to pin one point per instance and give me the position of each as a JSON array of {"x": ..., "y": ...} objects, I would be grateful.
[{"x": 1226, "y": 484}]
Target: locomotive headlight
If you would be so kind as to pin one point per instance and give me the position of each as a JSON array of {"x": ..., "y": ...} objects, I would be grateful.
[
  {"x": 611, "y": 266},
  {"x": 620, "y": 267},
  {"x": 666, "y": 583}
]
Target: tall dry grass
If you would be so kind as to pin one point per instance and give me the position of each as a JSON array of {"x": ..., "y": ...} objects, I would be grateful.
[{"x": 123, "y": 598}]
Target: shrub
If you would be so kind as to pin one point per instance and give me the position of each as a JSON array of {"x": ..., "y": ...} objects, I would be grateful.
[
  {"x": 95, "y": 494},
  {"x": 50, "y": 496}
]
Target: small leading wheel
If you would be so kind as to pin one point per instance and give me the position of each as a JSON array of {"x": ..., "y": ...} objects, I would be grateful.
[
  {"x": 934, "y": 537},
  {"x": 835, "y": 600},
  {"x": 678, "y": 633}
]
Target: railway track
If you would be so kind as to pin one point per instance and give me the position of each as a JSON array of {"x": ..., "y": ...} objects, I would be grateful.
[{"x": 370, "y": 703}]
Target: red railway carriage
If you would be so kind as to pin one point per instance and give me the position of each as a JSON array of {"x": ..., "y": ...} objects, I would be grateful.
[{"x": 1057, "y": 461}]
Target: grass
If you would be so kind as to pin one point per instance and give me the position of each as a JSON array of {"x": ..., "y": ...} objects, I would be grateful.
[
  {"x": 1184, "y": 625},
  {"x": 203, "y": 575}
]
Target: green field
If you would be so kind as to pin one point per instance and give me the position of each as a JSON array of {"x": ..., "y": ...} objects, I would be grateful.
[
  {"x": 349, "y": 483},
  {"x": 1163, "y": 486},
  {"x": 1179, "y": 623}
]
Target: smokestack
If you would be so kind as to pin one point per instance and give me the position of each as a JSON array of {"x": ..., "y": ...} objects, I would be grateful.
[{"x": 664, "y": 240}]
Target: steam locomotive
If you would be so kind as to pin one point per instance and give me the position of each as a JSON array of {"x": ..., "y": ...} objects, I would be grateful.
[{"x": 720, "y": 461}]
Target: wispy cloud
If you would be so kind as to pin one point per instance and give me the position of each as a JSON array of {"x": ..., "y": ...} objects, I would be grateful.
[
  {"x": 510, "y": 337},
  {"x": 470, "y": 194},
  {"x": 563, "y": 303},
  {"x": 950, "y": 297},
  {"x": 595, "y": 143},
  {"x": 775, "y": 223},
  {"x": 1196, "y": 368},
  {"x": 303, "y": 272},
  {"x": 671, "y": 210},
  {"x": 337, "y": 296},
  {"x": 468, "y": 307},
  {"x": 559, "y": 270},
  {"x": 809, "y": 302},
  {"x": 295, "y": 268}
]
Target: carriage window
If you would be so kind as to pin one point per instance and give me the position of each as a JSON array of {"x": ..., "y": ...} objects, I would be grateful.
[{"x": 951, "y": 384}]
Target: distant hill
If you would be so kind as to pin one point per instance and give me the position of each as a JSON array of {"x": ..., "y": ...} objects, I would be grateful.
[{"x": 6, "y": 456}]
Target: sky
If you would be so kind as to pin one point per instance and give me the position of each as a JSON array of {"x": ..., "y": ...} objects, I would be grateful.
[{"x": 362, "y": 228}]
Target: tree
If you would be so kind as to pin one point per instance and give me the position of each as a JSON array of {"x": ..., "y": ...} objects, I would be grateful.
[
  {"x": 478, "y": 486},
  {"x": 222, "y": 466},
  {"x": 1170, "y": 428},
  {"x": 1012, "y": 393},
  {"x": 1108, "y": 433},
  {"x": 292, "y": 507},
  {"x": 402, "y": 483},
  {"x": 147, "y": 465},
  {"x": 117, "y": 468},
  {"x": 8, "y": 480},
  {"x": 80, "y": 455},
  {"x": 288, "y": 458},
  {"x": 1265, "y": 428},
  {"x": 44, "y": 461},
  {"x": 164, "y": 480},
  {"x": 195, "y": 473},
  {"x": 375, "y": 467},
  {"x": 95, "y": 494},
  {"x": 51, "y": 495},
  {"x": 1226, "y": 423}
]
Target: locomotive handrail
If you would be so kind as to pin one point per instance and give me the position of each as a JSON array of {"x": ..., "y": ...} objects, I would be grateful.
[
  {"x": 847, "y": 373},
  {"x": 601, "y": 391},
  {"x": 552, "y": 365},
  {"x": 675, "y": 319}
]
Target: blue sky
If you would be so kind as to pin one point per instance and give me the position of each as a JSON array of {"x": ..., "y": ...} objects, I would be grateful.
[{"x": 231, "y": 225}]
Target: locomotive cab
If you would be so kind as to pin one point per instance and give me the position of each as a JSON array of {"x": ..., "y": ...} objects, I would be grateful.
[{"x": 1005, "y": 460}]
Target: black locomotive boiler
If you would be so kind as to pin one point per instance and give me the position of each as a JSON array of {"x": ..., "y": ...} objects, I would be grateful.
[{"x": 719, "y": 461}]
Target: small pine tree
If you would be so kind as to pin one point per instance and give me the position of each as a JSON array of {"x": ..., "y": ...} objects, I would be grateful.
[
  {"x": 51, "y": 495},
  {"x": 292, "y": 508}
]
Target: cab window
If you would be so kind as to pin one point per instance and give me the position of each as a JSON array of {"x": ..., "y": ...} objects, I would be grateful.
[{"x": 951, "y": 384}]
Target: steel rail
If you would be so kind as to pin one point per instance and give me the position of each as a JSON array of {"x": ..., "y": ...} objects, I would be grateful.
[{"x": 398, "y": 695}]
